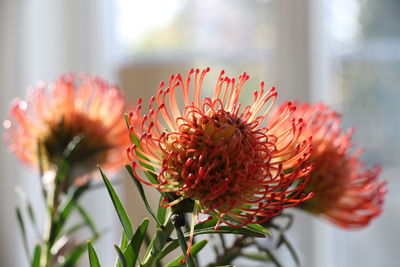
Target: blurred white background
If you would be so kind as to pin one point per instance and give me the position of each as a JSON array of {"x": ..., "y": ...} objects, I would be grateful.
[{"x": 343, "y": 52}]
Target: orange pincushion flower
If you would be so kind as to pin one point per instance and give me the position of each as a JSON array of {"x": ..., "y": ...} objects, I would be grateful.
[
  {"x": 76, "y": 107},
  {"x": 345, "y": 192},
  {"x": 219, "y": 154}
]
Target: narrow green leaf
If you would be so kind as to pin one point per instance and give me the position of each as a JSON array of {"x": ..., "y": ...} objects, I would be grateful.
[
  {"x": 123, "y": 217},
  {"x": 131, "y": 252},
  {"x": 66, "y": 210},
  {"x": 160, "y": 240},
  {"x": 157, "y": 243},
  {"x": 72, "y": 257},
  {"x": 142, "y": 194},
  {"x": 74, "y": 228},
  {"x": 152, "y": 178},
  {"x": 193, "y": 251},
  {"x": 273, "y": 258},
  {"x": 41, "y": 167},
  {"x": 121, "y": 257},
  {"x": 254, "y": 227},
  {"x": 168, "y": 249},
  {"x": 161, "y": 212},
  {"x": 206, "y": 224},
  {"x": 36, "y": 256},
  {"x": 256, "y": 256},
  {"x": 126, "y": 117},
  {"x": 291, "y": 249},
  {"x": 259, "y": 228},
  {"x": 88, "y": 221},
  {"x": 122, "y": 246},
  {"x": 23, "y": 232},
  {"x": 93, "y": 259},
  {"x": 124, "y": 241},
  {"x": 228, "y": 230},
  {"x": 28, "y": 206}
]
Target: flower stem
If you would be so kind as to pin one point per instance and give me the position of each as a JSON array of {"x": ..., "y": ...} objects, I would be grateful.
[
  {"x": 52, "y": 203},
  {"x": 157, "y": 244},
  {"x": 184, "y": 247},
  {"x": 52, "y": 208}
]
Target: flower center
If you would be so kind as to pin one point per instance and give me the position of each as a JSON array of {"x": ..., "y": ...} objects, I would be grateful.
[
  {"x": 217, "y": 159},
  {"x": 77, "y": 139}
]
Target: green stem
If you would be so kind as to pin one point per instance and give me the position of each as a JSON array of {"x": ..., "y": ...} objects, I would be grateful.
[
  {"x": 52, "y": 208},
  {"x": 157, "y": 244},
  {"x": 184, "y": 247},
  {"x": 52, "y": 203},
  {"x": 231, "y": 253}
]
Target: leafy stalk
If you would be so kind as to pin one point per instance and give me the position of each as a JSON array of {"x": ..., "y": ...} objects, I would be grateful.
[{"x": 184, "y": 247}]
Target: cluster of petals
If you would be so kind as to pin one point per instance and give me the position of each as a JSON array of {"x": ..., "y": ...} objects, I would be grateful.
[
  {"x": 54, "y": 115},
  {"x": 346, "y": 193},
  {"x": 218, "y": 152}
]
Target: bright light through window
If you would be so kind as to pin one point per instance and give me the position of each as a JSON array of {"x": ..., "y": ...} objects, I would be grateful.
[{"x": 137, "y": 18}]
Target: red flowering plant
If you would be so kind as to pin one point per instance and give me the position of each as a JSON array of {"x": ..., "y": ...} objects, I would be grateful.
[
  {"x": 213, "y": 156},
  {"x": 346, "y": 193},
  {"x": 64, "y": 130}
]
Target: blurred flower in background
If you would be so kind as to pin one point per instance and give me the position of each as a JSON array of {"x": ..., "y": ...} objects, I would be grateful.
[
  {"x": 346, "y": 192},
  {"x": 78, "y": 119}
]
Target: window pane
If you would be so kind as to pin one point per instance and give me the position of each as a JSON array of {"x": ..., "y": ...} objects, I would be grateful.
[
  {"x": 366, "y": 54},
  {"x": 236, "y": 35}
]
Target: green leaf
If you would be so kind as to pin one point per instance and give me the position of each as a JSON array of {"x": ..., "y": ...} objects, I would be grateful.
[
  {"x": 193, "y": 251},
  {"x": 68, "y": 207},
  {"x": 28, "y": 206},
  {"x": 131, "y": 252},
  {"x": 122, "y": 246},
  {"x": 291, "y": 249},
  {"x": 74, "y": 228},
  {"x": 23, "y": 232},
  {"x": 256, "y": 256},
  {"x": 123, "y": 217},
  {"x": 88, "y": 221},
  {"x": 72, "y": 258},
  {"x": 124, "y": 241},
  {"x": 228, "y": 230},
  {"x": 121, "y": 257},
  {"x": 160, "y": 240},
  {"x": 161, "y": 212},
  {"x": 168, "y": 249},
  {"x": 142, "y": 194},
  {"x": 152, "y": 178},
  {"x": 203, "y": 228},
  {"x": 206, "y": 224},
  {"x": 93, "y": 259},
  {"x": 259, "y": 228},
  {"x": 157, "y": 243},
  {"x": 272, "y": 256},
  {"x": 74, "y": 255},
  {"x": 36, "y": 256}
]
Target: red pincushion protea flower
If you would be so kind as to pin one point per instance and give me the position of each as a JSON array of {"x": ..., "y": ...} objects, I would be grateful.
[
  {"x": 219, "y": 154},
  {"x": 345, "y": 192},
  {"x": 76, "y": 106}
]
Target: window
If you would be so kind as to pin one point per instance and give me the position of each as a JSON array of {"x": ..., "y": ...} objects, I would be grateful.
[{"x": 365, "y": 54}]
